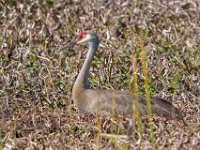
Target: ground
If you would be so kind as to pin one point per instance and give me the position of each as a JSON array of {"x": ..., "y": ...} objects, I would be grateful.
[{"x": 37, "y": 110}]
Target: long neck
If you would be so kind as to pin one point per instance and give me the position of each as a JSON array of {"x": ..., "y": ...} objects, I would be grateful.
[{"x": 82, "y": 79}]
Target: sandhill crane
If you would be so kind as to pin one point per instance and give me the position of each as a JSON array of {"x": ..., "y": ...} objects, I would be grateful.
[{"x": 95, "y": 101}]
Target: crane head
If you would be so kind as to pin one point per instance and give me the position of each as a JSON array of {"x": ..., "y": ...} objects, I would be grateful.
[{"x": 84, "y": 37}]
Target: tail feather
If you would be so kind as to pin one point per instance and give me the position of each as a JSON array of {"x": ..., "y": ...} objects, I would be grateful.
[{"x": 162, "y": 107}]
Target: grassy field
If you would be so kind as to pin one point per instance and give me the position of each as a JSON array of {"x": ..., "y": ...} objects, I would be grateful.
[{"x": 36, "y": 109}]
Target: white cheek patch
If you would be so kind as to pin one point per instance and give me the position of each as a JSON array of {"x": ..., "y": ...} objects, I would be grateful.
[{"x": 85, "y": 39}]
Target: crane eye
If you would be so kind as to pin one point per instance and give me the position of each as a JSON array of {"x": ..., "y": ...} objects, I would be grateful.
[{"x": 82, "y": 35}]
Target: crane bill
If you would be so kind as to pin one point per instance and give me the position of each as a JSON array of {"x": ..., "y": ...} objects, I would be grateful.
[{"x": 68, "y": 46}]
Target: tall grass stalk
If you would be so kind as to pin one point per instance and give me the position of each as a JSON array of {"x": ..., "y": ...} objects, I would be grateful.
[
  {"x": 98, "y": 120},
  {"x": 113, "y": 115},
  {"x": 1, "y": 141},
  {"x": 136, "y": 104},
  {"x": 98, "y": 140},
  {"x": 71, "y": 119},
  {"x": 112, "y": 139},
  {"x": 147, "y": 93}
]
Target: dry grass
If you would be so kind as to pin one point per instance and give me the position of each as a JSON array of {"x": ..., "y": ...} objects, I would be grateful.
[{"x": 35, "y": 83}]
